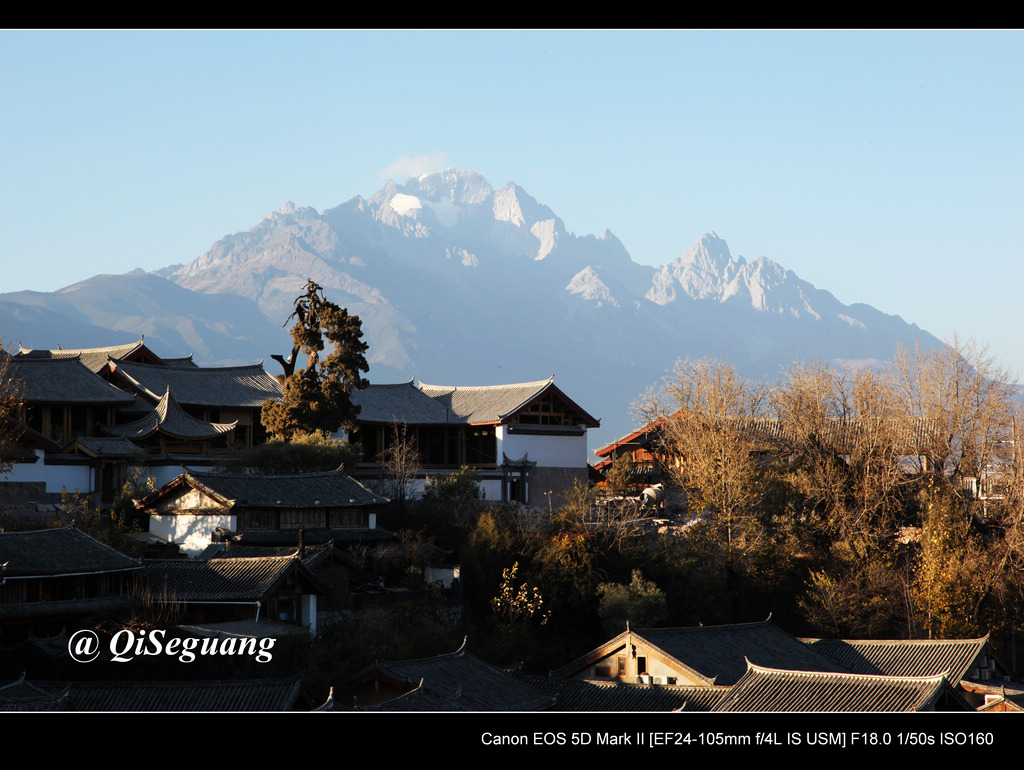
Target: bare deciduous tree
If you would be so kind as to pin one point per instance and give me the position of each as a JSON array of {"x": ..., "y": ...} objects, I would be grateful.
[
  {"x": 400, "y": 462},
  {"x": 711, "y": 419},
  {"x": 967, "y": 401}
]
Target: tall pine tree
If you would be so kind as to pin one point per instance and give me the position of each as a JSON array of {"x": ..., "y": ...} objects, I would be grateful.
[{"x": 319, "y": 396}]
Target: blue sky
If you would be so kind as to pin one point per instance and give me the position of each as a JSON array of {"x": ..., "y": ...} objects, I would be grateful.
[{"x": 884, "y": 166}]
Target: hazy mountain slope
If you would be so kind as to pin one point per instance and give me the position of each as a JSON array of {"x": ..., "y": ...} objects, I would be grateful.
[{"x": 226, "y": 329}]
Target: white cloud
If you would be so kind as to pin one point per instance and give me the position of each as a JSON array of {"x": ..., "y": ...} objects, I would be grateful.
[{"x": 403, "y": 168}]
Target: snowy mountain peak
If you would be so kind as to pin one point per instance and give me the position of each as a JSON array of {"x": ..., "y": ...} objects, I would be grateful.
[{"x": 460, "y": 187}]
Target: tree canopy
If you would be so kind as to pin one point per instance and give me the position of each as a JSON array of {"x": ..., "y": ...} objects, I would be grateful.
[
  {"x": 10, "y": 405},
  {"x": 318, "y": 397},
  {"x": 894, "y": 495}
]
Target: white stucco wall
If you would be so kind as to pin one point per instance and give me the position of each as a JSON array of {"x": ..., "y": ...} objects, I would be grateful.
[
  {"x": 56, "y": 477},
  {"x": 545, "y": 450},
  {"x": 192, "y": 532}
]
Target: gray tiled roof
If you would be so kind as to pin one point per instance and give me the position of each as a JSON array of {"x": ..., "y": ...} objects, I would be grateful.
[
  {"x": 103, "y": 446},
  {"x": 94, "y": 358},
  {"x": 487, "y": 403},
  {"x": 313, "y": 556},
  {"x": 24, "y": 696},
  {"x": 494, "y": 403},
  {"x": 460, "y": 681},
  {"x": 234, "y": 386},
  {"x": 96, "y": 605},
  {"x": 59, "y": 551},
  {"x": 903, "y": 657},
  {"x": 240, "y": 695},
  {"x": 400, "y": 402},
  {"x": 218, "y": 580},
  {"x": 773, "y": 690},
  {"x": 170, "y": 419},
  {"x": 590, "y": 695},
  {"x": 452, "y": 405},
  {"x": 64, "y": 380},
  {"x": 720, "y": 653},
  {"x": 331, "y": 489}
]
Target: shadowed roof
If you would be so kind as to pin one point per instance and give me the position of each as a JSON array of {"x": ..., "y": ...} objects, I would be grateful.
[
  {"x": 457, "y": 681},
  {"x": 716, "y": 654},
  {"x": 238, "y": 386},
  {"x": 330, "y": 489},
  {"x": 231, "y": 579},
  {"x": 102, "y": 446},
  {"x": 59, "y": 551},
  {"x": 238, "y": 695},
  {"x": 63, "y": 381},
  {"x": 590, "y": 695}
]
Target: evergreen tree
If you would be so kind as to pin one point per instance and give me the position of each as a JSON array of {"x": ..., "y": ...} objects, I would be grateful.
[{"x": 319, "y": 396}]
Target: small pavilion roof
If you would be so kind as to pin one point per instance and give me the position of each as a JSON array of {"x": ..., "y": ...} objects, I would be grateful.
[{"x": 169, "y": 418}]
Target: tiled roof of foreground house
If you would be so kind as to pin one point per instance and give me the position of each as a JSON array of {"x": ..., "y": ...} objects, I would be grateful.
[
  {"x": 221, "y": 580},
  {"x": 457, "y": 681},
  {"x": 589, "y": 695},
  {"x": 240, "y": 695},
  {"x": 312, "y": 555},
  {"x": 715, "y": 654},
  {"x": 59, "y": 551},
  {"x": 994, "y": 697},
  {"x": 719, "y": 652},
  {"x": 237, "y": 386},
  {"x": 763, "y": 689},
  {"x": 905, "y": 657},
  {"x": 24, "y": 696},
  {"x": 331, "y": 489}
]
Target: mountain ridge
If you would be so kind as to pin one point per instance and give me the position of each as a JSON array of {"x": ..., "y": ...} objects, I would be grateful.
[{"x": 457, "y": 281}]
